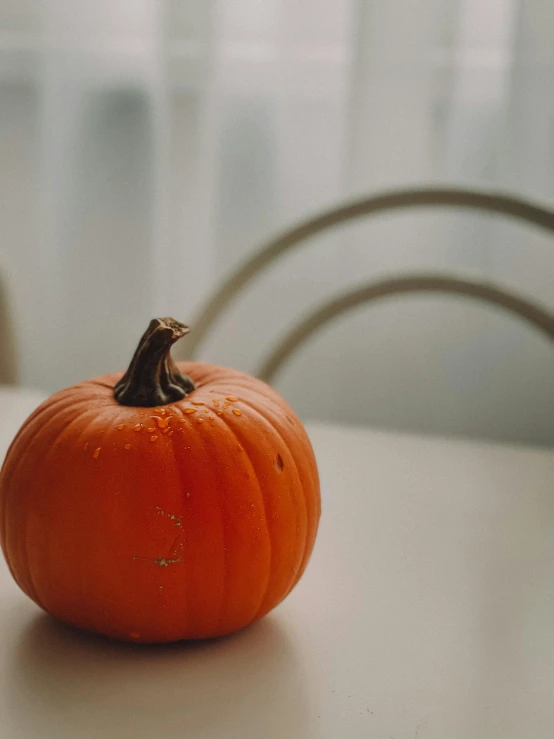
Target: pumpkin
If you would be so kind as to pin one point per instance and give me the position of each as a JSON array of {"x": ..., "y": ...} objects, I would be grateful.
[{"x": 176, "y": 501}]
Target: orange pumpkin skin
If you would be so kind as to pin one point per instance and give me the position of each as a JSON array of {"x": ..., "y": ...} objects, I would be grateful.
[{"x": 186, "y": 521}]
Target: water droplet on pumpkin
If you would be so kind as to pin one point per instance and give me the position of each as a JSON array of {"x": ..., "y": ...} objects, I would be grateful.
[
  {"x": 231, "y": 398},
  {"x": 153, "y": 438},
  {"x": 86, "y": 445},
  {"x": 241, "y": 449},
  {"x": 197, "y": 402},
  {"x": 95, "y": 453},
  {"x": 134, "y": 635},
  {"x": 211, "y": 418},
  {"x": 189, "y": 410},
  {"x": 127, "y": 446},
  {"x": 164, "y": 431},
  {"x": 200, "y": 420},
  {"x": 121, "y": 426},
  {"x": 170, "y": 432},
  {"x": 150, "y": 430},
  {"x": 219, "y": 413},
  {"x": 216, "y": 402},
  {"x": 225, "y": 405},
  {"x": 138, "y": 427},
  {"x": 161, "y": 422},
  {"x": 237, "y": 412}
]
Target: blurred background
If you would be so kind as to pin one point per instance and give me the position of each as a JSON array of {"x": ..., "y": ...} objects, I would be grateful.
[{"x": 148, "y": 146}]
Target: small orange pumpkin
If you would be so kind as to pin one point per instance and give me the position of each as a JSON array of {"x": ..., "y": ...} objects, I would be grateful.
[{"x": 173, "y": 502}]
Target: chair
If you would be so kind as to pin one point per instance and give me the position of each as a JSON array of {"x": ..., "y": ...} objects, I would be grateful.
[
  {"x": 8, "y": 371},
  {"x": 514, "y": 207}
]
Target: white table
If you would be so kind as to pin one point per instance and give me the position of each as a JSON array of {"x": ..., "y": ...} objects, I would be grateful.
[{"x": 427, "y": 612}]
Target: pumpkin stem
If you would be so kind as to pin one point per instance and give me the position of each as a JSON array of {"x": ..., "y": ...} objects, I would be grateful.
[{"x": 153, "y": 378}]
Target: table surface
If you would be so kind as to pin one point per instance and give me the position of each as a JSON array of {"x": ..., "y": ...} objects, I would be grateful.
[{"x": 427, "y": 612}]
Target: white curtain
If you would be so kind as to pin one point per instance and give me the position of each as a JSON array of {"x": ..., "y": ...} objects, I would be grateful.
[{"x": 148, "y": 145}]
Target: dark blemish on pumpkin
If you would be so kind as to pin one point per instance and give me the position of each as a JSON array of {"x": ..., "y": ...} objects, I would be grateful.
[
  {"x": 289, "y": 419},
  {"x": 138, "y": 427},
  {"x": 279, "y": 464},
  {"x": 95, "y": 453}
]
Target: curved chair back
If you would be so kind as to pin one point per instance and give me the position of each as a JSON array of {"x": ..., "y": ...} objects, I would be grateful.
[
  {"x": 540, "y": 318},
  {"x": 502, "y": 204}
]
